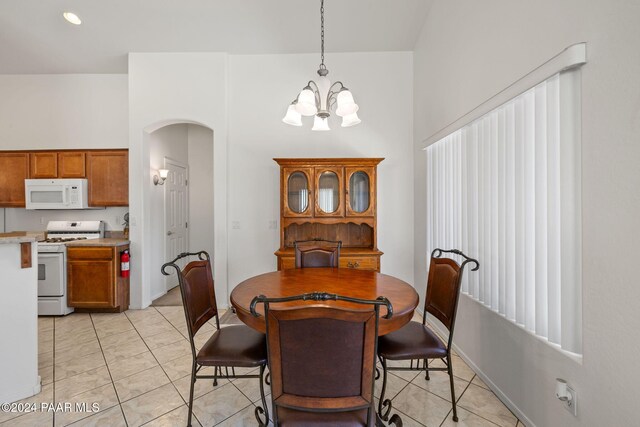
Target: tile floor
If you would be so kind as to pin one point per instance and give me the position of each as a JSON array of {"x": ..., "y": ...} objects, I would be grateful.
[{"x": 136, "y": 367}]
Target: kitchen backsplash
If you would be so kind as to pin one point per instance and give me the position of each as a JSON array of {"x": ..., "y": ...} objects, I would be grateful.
[{"x": 20, "y": 219}]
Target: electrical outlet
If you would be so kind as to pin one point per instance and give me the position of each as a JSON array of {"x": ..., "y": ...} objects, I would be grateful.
[
  {"x": 41, "y": 220},
  {"x": 571, "y": 405},
  {"x": 118, "y": 219},
  {"x": 273, "y": 225},
  {"x": 235, "y": 225}
]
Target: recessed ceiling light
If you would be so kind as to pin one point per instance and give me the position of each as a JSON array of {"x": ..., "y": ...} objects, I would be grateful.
[{"x": 72, "y": 18}]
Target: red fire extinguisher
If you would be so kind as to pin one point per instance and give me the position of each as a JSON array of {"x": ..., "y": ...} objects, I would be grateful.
[{"x": 124, "y": 263}]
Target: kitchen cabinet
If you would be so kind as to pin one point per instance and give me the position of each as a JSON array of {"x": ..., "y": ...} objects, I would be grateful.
[
  {"x": 330, "y": 199},
  {"x": 108, "y": 175},
  {"x": 14, "y": 169},
  {"x": 94, "y": 278},
  {"x": 43, "y": 165},
  {"x": 57, "y": 164},
  {"x": 107, "y": 172},
  {"x": 71, "y": 164}
]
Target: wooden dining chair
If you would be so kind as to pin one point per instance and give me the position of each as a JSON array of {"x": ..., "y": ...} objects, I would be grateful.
[
  {"x": 322, "y": 360},
  {"x": 416, "y": 341},
  {"x": 236, "y": 346},
  {"x": 317, "y": 253}
]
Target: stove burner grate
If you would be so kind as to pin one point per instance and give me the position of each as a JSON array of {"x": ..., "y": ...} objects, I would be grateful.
[{"x": 63, "y": 239}]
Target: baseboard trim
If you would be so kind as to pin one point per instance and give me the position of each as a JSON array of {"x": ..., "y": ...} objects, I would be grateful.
[{"x": 494, "y": 388}]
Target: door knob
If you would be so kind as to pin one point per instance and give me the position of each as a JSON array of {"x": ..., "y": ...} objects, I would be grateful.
[{"x": 169, "y": 233}]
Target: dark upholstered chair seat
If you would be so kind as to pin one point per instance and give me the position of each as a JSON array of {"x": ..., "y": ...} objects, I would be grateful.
[
  {"x": 236, "y": 345},
  {"x": 292, "y": 418},
  {"x": 412, "y": 341}
]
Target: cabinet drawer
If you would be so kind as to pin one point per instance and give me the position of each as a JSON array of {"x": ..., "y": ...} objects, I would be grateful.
[
  {"x": 360, "y": 263},
  {"x": 90, "y": 253}
]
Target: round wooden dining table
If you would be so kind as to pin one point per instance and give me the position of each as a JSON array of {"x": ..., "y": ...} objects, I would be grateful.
[{"x": 362, "y": 284}]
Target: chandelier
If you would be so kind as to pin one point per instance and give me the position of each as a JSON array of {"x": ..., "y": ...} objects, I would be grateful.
[{"x": 318, "y": 98}]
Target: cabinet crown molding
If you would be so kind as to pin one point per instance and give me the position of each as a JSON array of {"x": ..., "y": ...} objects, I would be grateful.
[{"x": 330, "y": 161}]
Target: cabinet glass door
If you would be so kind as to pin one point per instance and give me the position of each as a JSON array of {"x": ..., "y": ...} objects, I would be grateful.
[
  {"x": 328, "y": 192},
  {"x": 329, "y": 189},
  {"x": 298, "y": 192},
  {"x": 359, "y": 192}
]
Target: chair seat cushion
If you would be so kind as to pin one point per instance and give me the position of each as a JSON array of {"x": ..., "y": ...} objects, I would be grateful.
[
  {"x": 412, "y": 341},
  {"x": 236, "y": 345},
  {"x": 293, "y": 418}
]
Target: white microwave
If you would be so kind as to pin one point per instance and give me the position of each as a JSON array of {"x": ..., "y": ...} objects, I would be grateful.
[{"x": 56, "y": 193}]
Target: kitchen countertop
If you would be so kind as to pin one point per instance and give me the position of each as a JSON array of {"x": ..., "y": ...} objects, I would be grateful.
[
  {"x": 99, "y": 242},
  {"x": 20, "y": 237}
]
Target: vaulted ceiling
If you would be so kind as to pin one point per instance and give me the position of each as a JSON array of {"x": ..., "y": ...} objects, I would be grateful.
[{"x": 35, "y": 38}]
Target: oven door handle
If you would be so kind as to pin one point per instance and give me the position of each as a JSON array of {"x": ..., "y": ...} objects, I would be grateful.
[{"x": 49, "y": 254}]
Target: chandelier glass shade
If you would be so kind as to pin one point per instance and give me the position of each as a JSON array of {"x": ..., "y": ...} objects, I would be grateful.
[{"x": 318, "y": 97}]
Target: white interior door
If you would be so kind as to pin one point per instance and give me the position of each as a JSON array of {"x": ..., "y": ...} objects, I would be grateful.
[{"x": 176, "y": 214}]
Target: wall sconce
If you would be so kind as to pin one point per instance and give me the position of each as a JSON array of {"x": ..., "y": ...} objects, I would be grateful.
[{"x": 159, "y": 180}]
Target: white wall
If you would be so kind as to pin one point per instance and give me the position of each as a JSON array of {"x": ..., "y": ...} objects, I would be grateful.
[
  {"x": 261, "y": 88},
  {"x": 467, "y": 52},
  {"x": 201, "y": 215},
  {"x": 20, "y": 219},
  {"x": 169, "y": 88},
  {"x": 18, "y": 325},
  {"x": 63, "y": 111}
]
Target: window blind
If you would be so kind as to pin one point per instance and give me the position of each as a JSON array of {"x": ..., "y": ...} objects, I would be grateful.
[{"x": 505, "y": 189}]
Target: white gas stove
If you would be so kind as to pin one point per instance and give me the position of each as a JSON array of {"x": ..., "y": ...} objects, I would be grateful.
[{"x": 52, "y": 263}]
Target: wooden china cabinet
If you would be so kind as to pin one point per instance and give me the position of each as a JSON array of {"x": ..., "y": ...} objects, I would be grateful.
[{"x": 330, "y": 199}]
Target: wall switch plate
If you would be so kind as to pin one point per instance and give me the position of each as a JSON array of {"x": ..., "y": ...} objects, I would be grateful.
[
  {"x": 571, "y": 405},
  {"x": 235, "y": 225},
  {"x": 273, "y": 225}
]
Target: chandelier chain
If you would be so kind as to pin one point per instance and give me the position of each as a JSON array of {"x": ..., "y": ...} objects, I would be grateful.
[{"x": 322, "y": 34}]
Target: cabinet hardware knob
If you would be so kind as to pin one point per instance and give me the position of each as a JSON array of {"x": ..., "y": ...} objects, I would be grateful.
[{"x": 353, "y": 264}]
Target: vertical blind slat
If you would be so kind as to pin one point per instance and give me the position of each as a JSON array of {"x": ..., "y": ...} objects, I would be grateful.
[
  {"x": 473, "y": 147},
  {"x": 493, "y": 212},
  {"x": 541, "y": 187},
  {"x": 529, "y": 212},
  {"x": 553, "y": 207},
  {"x": 501, "y": 214},
  {"x": 510, "y": 214},
  {"x": 519, "y": 211}
]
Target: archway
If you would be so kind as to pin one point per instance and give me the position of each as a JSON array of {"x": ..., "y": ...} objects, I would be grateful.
[{"x": 147, "y": 222}]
